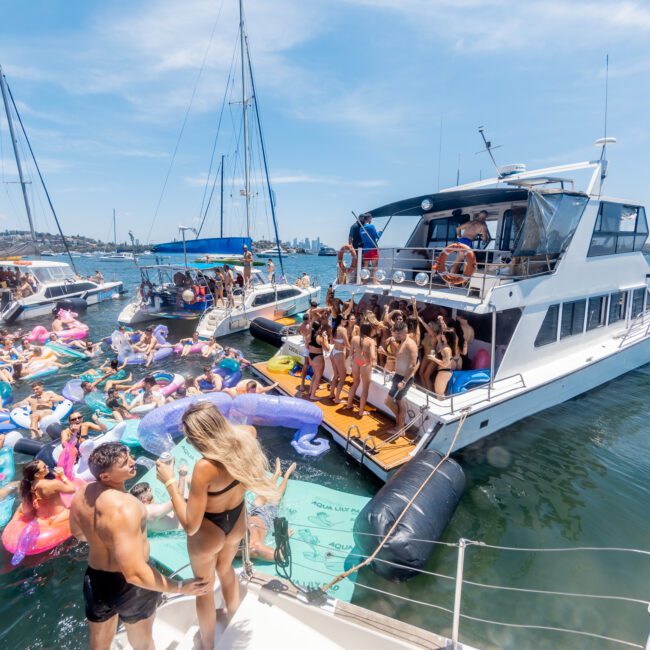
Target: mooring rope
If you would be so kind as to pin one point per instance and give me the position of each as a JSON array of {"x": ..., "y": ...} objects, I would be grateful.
[{"x": 387, "y": 536}]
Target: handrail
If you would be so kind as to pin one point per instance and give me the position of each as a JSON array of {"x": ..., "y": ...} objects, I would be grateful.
[
  {"x": 492, "y": 266},
  {"x": 633, "y": 327},
  {"x": 365, "y": 444},
  {"x": 347, "y": 440}
]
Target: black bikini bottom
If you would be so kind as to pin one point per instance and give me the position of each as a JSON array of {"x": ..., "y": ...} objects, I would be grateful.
[
  {"x": 225, "y": 520},
  {"x": 313, "y": 355}
]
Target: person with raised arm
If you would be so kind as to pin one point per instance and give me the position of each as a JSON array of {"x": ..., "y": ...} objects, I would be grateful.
[
  {"x": 119, "y": 581},
  {"x": 213, "y": 516}
]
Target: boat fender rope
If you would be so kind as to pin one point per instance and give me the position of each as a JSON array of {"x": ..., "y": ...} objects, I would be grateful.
[{"x": 373, "y": 555}]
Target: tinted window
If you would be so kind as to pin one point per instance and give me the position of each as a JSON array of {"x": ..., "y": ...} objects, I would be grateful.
[
  {"x": 264, "y": 299},
  {"x": 54, "y": 292},
  {"x": 288, "y": 293},
  {"x": 596, "y": 312},
  {"x": 573, "y": 318},
  {"x": 76, "y": 287},
  {"x": 548, "y": 331},
  {"x": 619, "y": 229},
  {"x": 617, "y": 305},
  {"x": 637, "y": 302}
]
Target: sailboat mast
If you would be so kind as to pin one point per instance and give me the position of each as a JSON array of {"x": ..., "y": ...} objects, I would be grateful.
[
  {"x": 14, "y": 142},
  {"x": 245, "y": 117},
  {"x": 221, "y": 204},
  {"x": 114, "y": 231}
]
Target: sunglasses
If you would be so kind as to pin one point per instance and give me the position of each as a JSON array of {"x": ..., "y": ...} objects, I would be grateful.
[{"x": 77, "y": 419}]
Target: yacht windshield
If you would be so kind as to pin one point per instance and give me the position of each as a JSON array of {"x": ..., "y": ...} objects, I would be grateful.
[{"x": 548, "y": 224}]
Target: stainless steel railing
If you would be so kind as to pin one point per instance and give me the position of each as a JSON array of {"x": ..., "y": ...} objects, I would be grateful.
[{"x": 417, "y": 267}]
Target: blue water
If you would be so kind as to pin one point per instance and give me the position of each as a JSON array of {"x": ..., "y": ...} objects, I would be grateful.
[{"x": 575, "y": 475}]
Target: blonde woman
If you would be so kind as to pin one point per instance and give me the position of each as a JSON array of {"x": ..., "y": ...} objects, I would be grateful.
[{"x": 213, "y": 517}]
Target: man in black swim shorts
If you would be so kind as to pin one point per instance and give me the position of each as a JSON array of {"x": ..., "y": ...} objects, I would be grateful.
[{"x": 119, "y": 582}]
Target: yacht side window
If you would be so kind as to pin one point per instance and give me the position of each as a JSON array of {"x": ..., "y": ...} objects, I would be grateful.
[
  {"x": 617, "y": 307},
  {"x": 573, "y": 318},
  {"x": 596, "y": 312},
  {"x": 619, "y": 229},
  {"x": 548, "y": 331},
  {"x": 637, "y": 302}
]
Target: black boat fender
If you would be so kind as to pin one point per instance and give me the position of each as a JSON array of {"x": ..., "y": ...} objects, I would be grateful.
[
  {"x": 71, "y": 304},
  {"x": 269, "y": 331},
  {"x": 410, "y": 546}
]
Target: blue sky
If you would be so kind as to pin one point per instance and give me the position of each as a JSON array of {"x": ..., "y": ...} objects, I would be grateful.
[{"x": 352, "y": 93}]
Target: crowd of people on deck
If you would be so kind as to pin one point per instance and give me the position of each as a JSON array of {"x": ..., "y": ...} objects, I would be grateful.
[
  {"x": 22, "y": 284},
  {"x": 417, "y": 345}
]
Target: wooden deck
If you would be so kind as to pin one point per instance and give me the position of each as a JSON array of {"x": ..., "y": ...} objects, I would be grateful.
[{"x": 373, "y": 429}]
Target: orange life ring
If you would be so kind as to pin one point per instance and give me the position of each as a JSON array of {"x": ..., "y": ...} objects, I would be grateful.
[
  {"x": 342, "y": 251},
  {"x": 469, "y": 264}
]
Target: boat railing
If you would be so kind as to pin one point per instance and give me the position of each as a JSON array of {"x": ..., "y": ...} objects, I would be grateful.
[
  {"x": 453, "y": 586},
  {"x": 421, "y": 267},
  {"x": 636, "y": 326},
  {"x": 499, "y": 386}
]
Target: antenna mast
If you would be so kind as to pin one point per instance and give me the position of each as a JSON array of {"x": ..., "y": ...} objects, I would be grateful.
[
  {"x": 488, "y": 148},
  {"x": 14, "y": 142},
  {"x": 245, "y": 117}
]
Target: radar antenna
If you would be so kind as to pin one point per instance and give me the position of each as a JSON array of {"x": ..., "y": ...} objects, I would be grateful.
[{"x": 489, "y": 147}]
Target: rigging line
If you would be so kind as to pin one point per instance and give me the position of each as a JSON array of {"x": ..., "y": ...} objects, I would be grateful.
[
  {"x": 393, "y": 528},
  {"x": 187, "y": 114},
  {"x": 263, "y": 148},
  {"x": 607, "y": 549},
  {"x": 207, "y": 207},
  {"x": 545, "y": 592},
  {"x": 342, "y": 530},
  {"x": 550, "y": 628},
  {"x": 38, "y": 169},
  {"x": 216, "y": 139}
]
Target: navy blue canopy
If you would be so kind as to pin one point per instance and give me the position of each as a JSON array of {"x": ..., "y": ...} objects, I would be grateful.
[{"x": 451, "y": 201}]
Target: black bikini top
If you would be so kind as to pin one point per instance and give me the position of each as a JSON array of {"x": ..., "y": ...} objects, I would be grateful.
[{"x": 226, "y": 489}]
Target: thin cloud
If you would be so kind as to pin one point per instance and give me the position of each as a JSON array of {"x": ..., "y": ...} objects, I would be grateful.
[{"x": 293, "y": 179}]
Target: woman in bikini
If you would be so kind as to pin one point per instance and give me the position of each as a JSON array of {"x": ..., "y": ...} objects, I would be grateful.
[
  {"x": 340, "y": 351},
  {"x": 40, "y": 496},
  {"x": 445, "y": 362},
  {"x": 429, "y": 345},
  {"x": 364, "y": 357},
  {"x": 77, "y": 430},
  {"x": 232, "y": 462},
  {"x": 318, "y": 344}
]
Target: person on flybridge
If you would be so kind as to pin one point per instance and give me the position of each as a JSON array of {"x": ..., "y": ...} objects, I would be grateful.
[{"x": 467, "y": 233}]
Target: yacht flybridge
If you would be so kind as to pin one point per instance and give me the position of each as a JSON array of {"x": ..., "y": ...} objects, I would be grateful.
[{"x": 558, "y": 299}]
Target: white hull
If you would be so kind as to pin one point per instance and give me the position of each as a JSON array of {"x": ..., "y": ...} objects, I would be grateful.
[
  {"x": 43, "y": 308},
  {"x": 221, "y": 322},
  {"x": 507, "y": 404}
]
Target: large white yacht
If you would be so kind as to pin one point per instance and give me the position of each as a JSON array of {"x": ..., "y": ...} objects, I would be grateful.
[
  {"x": 54, "y": 281},
  {"x": 558, "y": 299}
]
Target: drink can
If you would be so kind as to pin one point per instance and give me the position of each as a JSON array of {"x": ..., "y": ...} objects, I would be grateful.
[{"x": 166, "y": 458}]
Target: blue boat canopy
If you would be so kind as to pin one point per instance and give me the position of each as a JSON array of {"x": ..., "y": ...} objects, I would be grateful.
[{"x": 213, "y": 245}]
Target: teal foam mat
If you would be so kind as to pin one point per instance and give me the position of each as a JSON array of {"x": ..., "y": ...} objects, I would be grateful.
[{"x": 321, "y": 520}]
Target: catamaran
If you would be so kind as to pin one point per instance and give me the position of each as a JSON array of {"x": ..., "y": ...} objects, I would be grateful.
[{"x": 557, "y": 298}]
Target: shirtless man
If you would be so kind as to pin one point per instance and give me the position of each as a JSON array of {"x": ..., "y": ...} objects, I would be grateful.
[
  {"x": 209, "y": 382},
  {"x": 406, "y": 365},
  {"x": 467, "y": 233},
  {"x": 248, "y": 265},
  {"x": 228, "y": 282},
  {"x": 149, "y": 394},
  {"x": 41, "y": 403},
  {"x": 119, "y": 580},
  {"x": 249, "y": 386}
]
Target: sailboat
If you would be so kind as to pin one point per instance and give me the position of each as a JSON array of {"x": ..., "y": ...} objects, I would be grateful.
[
  {"x": 119, "y": 257},
  {"x": 173, "y": 291},
  {"x": 48, "y": 283}
]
